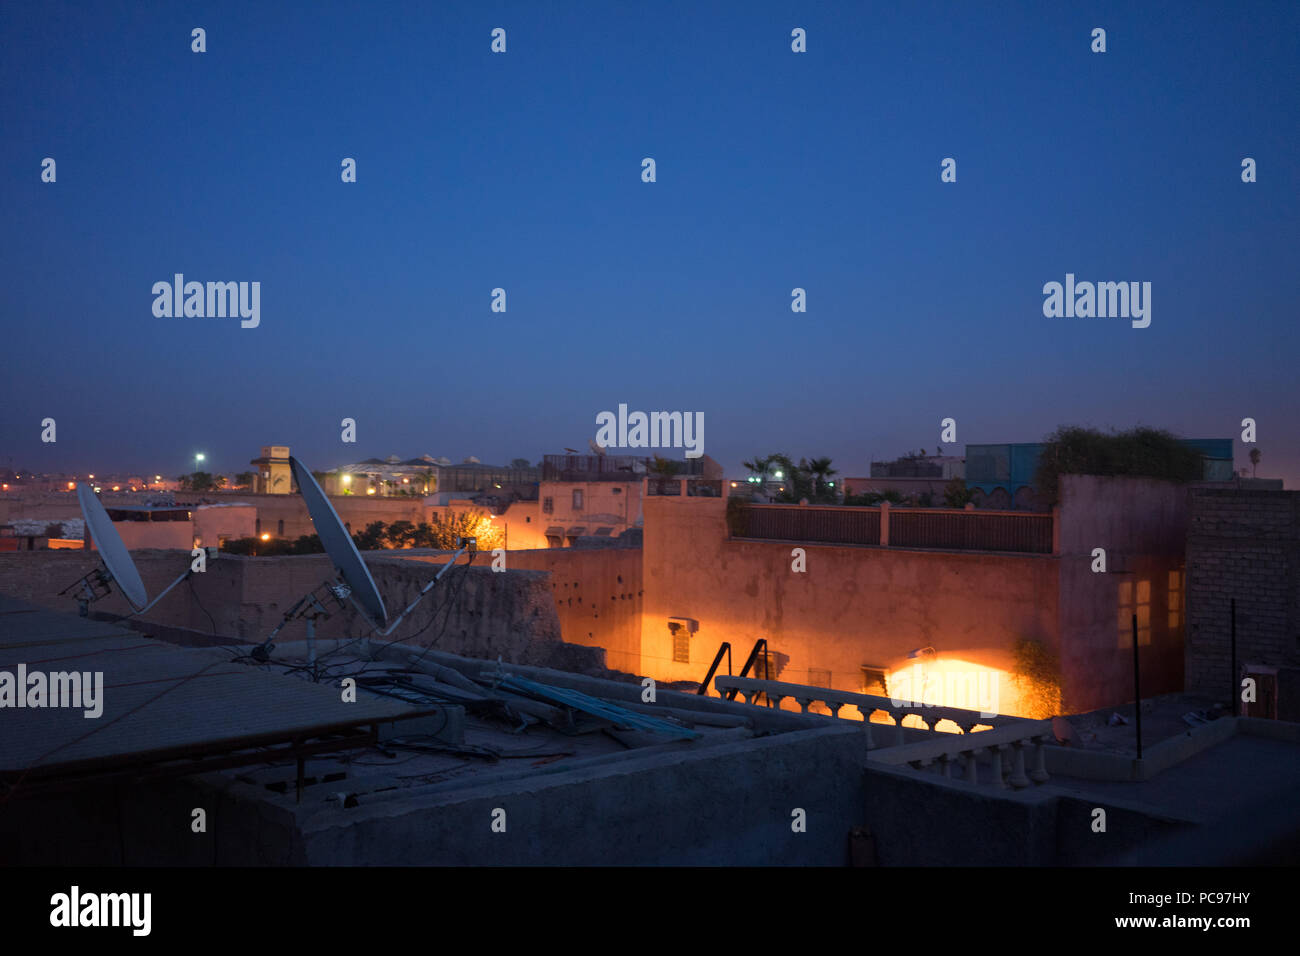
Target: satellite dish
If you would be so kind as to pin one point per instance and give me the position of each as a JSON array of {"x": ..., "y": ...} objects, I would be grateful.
[
  {"x": 339, "y": 545},
  {"x": 111, "y": 549}
]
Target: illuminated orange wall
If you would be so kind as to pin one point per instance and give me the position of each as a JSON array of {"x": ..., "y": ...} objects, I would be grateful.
[{"x": 853, "y": 606}]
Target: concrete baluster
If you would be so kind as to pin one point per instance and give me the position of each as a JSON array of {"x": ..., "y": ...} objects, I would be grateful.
[
  {"x": 1018, "y": 778},
  {"x": 1039, "y": 773},
  {"x": 995, "y": 750}
]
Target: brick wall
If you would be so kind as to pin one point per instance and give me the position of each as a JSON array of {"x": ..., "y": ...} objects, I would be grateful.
[{"x": 1245, "y": 545}]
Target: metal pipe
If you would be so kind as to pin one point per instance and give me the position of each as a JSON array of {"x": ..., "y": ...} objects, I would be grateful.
[{"x": 1137, "y": 688}]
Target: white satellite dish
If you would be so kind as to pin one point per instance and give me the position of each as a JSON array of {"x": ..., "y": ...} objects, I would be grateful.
[
  {"x": 595, "y": 449},
  {"x": 339, "y": 545},
  {"x": 357, "y": 582},
  {"x": 111, "y": 549}
]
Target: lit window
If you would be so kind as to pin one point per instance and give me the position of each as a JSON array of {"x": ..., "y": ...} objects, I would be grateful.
[{"x": 1134, "y": 600}]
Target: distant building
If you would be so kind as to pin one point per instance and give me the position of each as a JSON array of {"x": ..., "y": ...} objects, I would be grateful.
[
  {"x": 600, "y": 495},
  {"x": 427, "y": 475},
  {"x": 1002, "y": 476},
  {"x": 273, "y": 476},
  {"x": 914, "y": 477}
]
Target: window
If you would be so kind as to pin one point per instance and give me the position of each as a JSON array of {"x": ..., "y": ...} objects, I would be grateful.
[
  {"x": 873, "y": 681},
  {"x": 681, "y": 646},
  {"x": 1134, "y": 598},
  {"x": 257, "y": 528},
  {"x": 548, "y": 506},
  {"x": 766, "y": 666},
  {"x": 279, "y": 530},
  {"x": 819, "y": 678},
  {"x": 577, "y": 499}
]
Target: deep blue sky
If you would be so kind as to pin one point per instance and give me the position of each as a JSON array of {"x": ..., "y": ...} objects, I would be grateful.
[{"x": 522, "y": 170}]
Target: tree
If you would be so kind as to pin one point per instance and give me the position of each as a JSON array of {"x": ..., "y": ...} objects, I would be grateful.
[
  {"x": 198, "y": 481},
  {"x": 663, "y": 467},
  {"x": 956, "y": 494},
  {"x": 371, "y": 539},
  {"x": 821, "y": 471},
  {"x": 519, "y": 463},
  {"x": 446, "y": 529},
  {"x": 400, "y": 534},
  {"x": 1254, "y": 460},
  {"x": 243, "y": 479}
]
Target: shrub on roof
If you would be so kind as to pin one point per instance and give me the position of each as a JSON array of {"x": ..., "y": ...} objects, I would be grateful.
[{"x": 1139, "y": 452}]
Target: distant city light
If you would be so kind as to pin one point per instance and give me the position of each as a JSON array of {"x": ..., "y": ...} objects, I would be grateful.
[
  {"x": 92, "y": 477},
  {"x": 157, "y": 477},
  {"x": 71, "y": 485},
  {"x": 117, "y": 488},
  {"x": 777, "y": 475},
  {"x": 370, "y": 491}
]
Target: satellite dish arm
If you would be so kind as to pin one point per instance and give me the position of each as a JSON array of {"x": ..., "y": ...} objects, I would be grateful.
[
  {"x": 166, "y": 591},
  {"x": 471, "y": 547}
]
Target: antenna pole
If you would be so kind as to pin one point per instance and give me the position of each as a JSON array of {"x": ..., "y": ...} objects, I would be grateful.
[{"x": 471, "y": 546}]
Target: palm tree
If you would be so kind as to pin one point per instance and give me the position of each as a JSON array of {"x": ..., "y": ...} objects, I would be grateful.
[
  {"x": 822, "y": 472},
  {"x": 1254, "y": 460}
]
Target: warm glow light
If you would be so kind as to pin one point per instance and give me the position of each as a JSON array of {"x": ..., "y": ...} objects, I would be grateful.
[
  {"x": 370, "y": 491},
  {"x": 92, "y": 477},
  {"x": 347, "y": 479},
  {"x": 71, "y": 485},
  {"x": 157, "y": 477},
  {"x": 266, "y": 536},
  {"x": 952, "y": 682},
  {"x": 117, "y": 488}
]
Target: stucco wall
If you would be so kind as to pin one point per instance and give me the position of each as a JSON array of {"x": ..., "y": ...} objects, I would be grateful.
[
  {"x": 1141, "y": 523},
  {"x": 597, "y": 597},
  {"x": 854, "y": 606},
  {"x": 511, "y": 614}
]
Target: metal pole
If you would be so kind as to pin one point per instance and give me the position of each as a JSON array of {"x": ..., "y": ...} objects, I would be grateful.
[
  {"x": 1137, "y": 688},
  {"x": 1232, "y": 677}
]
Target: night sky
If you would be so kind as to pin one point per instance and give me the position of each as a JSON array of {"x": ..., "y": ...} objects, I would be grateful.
[{"x": 775, "y": 170}]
